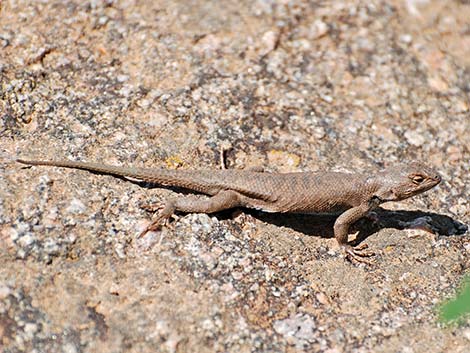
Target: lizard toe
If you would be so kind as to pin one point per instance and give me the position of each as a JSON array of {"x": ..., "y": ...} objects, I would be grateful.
[
  {"x": 359, "y": 254},
  {"x": 360, "y": 247},
  {"x": 161, "y": 221},
  {"x": 153, "y": 207},
  {"x": 363, "y": 250}
]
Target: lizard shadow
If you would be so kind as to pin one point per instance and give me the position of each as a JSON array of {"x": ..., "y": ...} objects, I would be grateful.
[{"x": 322, "y": 225}]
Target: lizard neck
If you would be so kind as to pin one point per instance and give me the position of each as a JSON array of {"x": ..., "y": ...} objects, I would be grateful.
[{"x": 378, "y": 188}]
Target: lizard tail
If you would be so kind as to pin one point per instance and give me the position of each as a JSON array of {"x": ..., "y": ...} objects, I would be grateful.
[
  {"x": 95, "y": 167},
  {"x": 179, "y": 178}
]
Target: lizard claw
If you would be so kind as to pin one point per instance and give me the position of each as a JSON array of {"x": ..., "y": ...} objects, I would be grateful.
[
  {"x": 358, "y": 254},
  {"x": 153, "y": 207},
  {"x": 361, "y": 247},
  {"x": 161, "y": 220}
]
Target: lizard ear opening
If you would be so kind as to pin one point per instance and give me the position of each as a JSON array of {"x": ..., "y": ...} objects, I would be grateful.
[{"x": 388, "y": 194}]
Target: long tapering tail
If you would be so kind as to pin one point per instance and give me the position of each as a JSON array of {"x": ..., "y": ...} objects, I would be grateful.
[
  {"x": 90, "y": 166},
  {"x": 202, "y": 181}
]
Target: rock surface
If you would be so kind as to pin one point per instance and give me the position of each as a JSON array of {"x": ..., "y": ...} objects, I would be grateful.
[{"x": 289, "y": 85}]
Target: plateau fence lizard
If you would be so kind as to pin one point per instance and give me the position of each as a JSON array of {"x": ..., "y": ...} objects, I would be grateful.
[{"x": 351, "y": 196}]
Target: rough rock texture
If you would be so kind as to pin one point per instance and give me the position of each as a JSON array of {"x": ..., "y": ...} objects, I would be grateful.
[{"x": 290, "y": 85}]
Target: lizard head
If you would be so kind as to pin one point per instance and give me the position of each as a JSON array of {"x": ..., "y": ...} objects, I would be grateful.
[{"x": 406, "y": 180}]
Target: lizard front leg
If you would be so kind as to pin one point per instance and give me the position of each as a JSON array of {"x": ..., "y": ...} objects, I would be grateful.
[
  {"x": 223, "y": 200},
  {"x": 341, "y": 228}
]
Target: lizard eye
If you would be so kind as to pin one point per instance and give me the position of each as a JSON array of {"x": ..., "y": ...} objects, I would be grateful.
[{"x": 417, "y": 179}]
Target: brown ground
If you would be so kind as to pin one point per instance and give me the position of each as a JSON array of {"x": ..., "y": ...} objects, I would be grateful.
[{"x": 291, "y": 85}]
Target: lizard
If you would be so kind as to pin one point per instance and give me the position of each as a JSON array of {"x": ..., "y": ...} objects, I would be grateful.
[{"x": 351, "y": 196}]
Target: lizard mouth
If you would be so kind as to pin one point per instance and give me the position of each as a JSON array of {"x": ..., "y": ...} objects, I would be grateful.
[
  {"x": 429, "y": 184},
  {"x": 405, "y": 193}
]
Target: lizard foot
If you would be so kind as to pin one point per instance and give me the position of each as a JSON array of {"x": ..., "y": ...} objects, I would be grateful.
[
  {"x": 152, "y": 207},
  {"x": 161, "y": 220},
  {"x": 358, "y": 254}
]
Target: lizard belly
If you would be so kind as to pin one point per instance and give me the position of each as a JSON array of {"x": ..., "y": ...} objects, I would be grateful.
[{"x": 302, "y": 206}]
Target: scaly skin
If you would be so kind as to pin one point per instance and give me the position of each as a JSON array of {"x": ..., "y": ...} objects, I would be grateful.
[{"x": 352, "y": 196}]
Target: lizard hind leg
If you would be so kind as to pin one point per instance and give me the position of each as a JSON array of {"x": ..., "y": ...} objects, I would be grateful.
[{"x": 223, "y": 200}]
